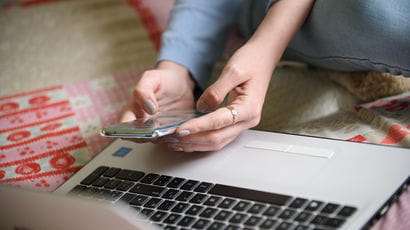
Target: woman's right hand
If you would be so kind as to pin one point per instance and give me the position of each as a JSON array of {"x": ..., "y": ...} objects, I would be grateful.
[{"x": 169, "y": 87}]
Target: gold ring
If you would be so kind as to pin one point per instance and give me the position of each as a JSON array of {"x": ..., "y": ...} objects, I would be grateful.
[{"x": 234, "y": 113}]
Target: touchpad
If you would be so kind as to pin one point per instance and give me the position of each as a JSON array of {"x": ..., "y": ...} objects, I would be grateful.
[{"x": 290, "y": 165}]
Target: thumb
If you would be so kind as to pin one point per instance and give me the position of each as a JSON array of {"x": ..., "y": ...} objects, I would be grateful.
[
  {"x": 144, "y": 92},
  {"x": 216, "y": 93}
]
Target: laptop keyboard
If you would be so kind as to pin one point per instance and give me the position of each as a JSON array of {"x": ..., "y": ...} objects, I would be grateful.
[{"x": 181, "y": 203}]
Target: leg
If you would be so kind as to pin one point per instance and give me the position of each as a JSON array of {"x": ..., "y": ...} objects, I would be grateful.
[{"x": 351, "y": 35}]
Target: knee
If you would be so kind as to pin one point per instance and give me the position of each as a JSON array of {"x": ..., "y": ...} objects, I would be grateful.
[{"x": 376, "y": 18}]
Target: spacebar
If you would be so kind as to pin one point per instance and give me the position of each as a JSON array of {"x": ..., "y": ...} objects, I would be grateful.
[{"x": 249, "y": 194}]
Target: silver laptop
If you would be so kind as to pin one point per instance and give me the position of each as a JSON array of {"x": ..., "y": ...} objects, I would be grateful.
[{"x": 263, "y": 180}]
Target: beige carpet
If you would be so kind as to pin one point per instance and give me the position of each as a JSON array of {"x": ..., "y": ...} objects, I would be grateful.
[{"x": 68, "y": 41}]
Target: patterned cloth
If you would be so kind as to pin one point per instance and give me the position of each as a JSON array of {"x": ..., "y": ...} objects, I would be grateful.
[
  {"x": 39, "y": 138},
  {"x": 47, "y": 135},
  {"x": 385, "y": 121}
]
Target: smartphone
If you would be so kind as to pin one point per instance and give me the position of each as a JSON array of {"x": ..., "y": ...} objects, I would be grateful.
[{"x": 161, "y": 124}]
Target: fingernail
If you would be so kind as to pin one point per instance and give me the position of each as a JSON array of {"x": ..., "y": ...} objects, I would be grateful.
[
  {"x": 171, "y": 139},
  {"x": 149, "y": 106},
  {"x": 176, "y": 148},
  {"x": 183, "y": 133},
  {"x": 202, "y": 107}
]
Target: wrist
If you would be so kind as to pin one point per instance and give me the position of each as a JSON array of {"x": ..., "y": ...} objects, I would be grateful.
[
  {"x": 169, "y": 65},
  {"x": 180, "y": 70}
]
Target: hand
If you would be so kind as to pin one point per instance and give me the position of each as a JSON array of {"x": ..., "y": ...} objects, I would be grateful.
[
  {"x": 245, "y": 80},
  {"x": 169, "y": 87}
]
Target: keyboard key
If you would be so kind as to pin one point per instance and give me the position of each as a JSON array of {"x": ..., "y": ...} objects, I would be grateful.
[
  {"x": 194, "y": 210},
  {"x": 208, "y": 212},
  {"x": 212, "y": 201},
  {"x": 241, "y": 206},
  {"x": 152, "y": 203},
  {"x": 176, "y": 182},
  {"x": 271, "y": 211},
  {"x": 169, "y": 227},
  {"x": 198, "y": 198},
  {"x": 158, "y": 216},
  {"x": 186, "y": 221},
  {"x": 94, "y": 175},
  {"x": 248, "y": 194},
  {"x": 100, "y": 182},
  {"x": 287, "y": 214},
  {"x": 90, "y": 191},
  {"x": 223, "y": 215},
  {"x": 127, "y": 197},
  {"x": 77, "y": 189},
  {"x": 267, "y": 224},
  {"x": 139, "y": 200},
  {"x": 170, "y": 194},
  {"x": 319, "y": 220},
  {"x": 172, "y": 218},
  {"x": 166, "y": 205},
  {"x": 303, "y": 217},
  {"x": 184, "y": 196},
  {"x": 302, "y": 227},
  {"x": 319, "y": 228},
  {"x": 135, "y": 209},
  {"x": 298, "y": 203},
  {"x": 200, "y": 224},
  {"x": 113, "y": 195},
  {"x": 103, "y": 194},
  {"x": 256, "y": 208},
  {"x": 180, "y": 207},
  {"x": 284, "y": 226},
  {"x": 252, "y": 221},
  {"x": 149, "y": 190},
  {"x": 314, "y": 205},
  {"x": 147, "y": 212},
  {"x": 232, "y": 227},
  {"x": 189, "y": 185},
  {"x": 227, "y": 203},
  {"x": 130, "y": 175},
  {"x": 329, "y": 208},
  {"x": 111, "y": 172},
  {"x": 334, "y": 222},
  {"x": 238, "y": 218},
  {"x": 162, "y": 180},
  {"x": 216, "y": 226},
  {"x": 347, "y": 211},
  {"x": 125, "y": 185},
  {"x": 203, "y": 187},
  {"x": 112, "y": 184},
  {"x": 149, "y": 178}
]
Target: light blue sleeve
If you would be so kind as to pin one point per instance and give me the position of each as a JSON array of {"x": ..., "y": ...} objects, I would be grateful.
[{"x": 196, "y": 34}]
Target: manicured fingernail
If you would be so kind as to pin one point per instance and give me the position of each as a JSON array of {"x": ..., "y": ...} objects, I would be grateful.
[
  {"x": 183, "y": 133},
  {"x": 202, "y": 107},
  {"x": 149, "y": 106},
  {"x": 176, "y": 148},
  {"x": 171, "y": 139}
]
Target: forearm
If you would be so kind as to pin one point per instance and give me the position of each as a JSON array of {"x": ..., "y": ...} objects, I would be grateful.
[
  {"x": 283, "y": 20},
  {"x": 196, "y": 34}
]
